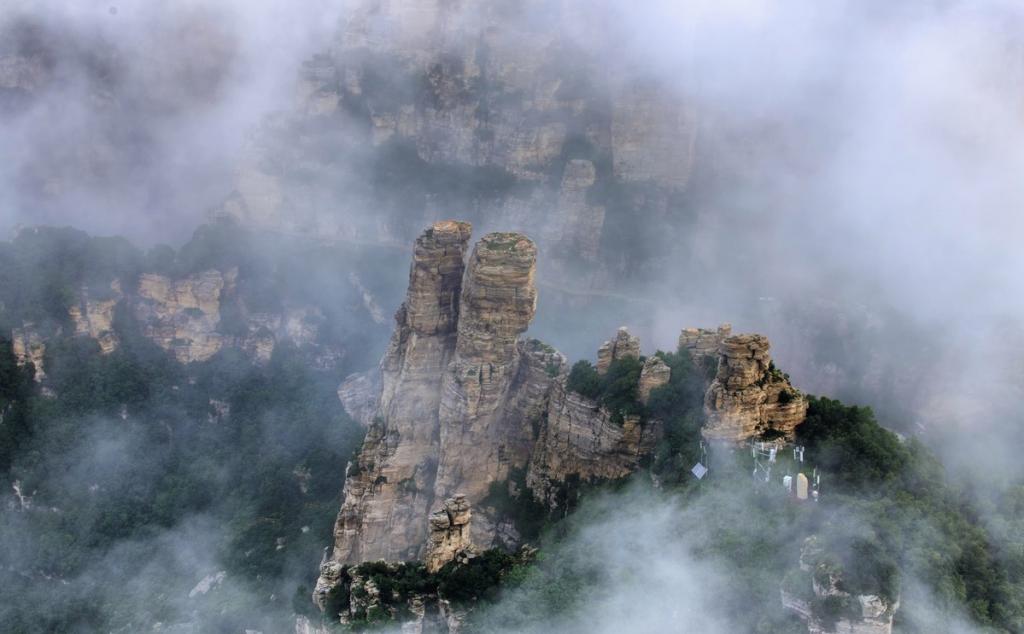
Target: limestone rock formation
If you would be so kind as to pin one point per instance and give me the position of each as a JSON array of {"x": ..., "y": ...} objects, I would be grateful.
[
  {"x": 464, "y": 404},
  {"x": 181, "y": 316},
  {"x": 703, "y": 343},
  {"x": 29, "y": 347},
  {"x": 654, "y": 374},
  {"x": 580, "y": 443},
  {"x": 449, "y": 533},
  {"x": 749, "y": 395},
  {"x": 390, "y": 492},
  {"x": 623, "y": 346},
  {"x": 498, "y": 303},
  {"x": 95, "y": 317}
]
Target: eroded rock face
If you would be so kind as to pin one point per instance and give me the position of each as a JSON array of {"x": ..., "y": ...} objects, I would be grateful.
[
  {"x": 624, "y": 346},
  {"x": 181, "y": 316},
  {"x": 703, "y": 343},
  {"x": 581, "y": 443},
  {"x": 28, "y": 347},
  {"x": 95, "y": 318},
  {"x": 498, "y": 303},
  {"x": 390, "y": 492},
  {"x": 749, "y": 396},
  {"x": 449, "y": 533},
  {"x": 464, "y": 403},
  {"x": 654, "y": 374}
]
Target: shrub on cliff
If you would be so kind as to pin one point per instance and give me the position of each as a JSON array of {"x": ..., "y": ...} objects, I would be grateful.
[
  {"x": 584, "y": 379},
  {"x": 616, "y": 390}
]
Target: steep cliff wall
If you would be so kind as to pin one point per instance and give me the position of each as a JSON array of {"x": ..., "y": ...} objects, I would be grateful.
[
  {"x": 390, "y": 492},
  {"x": 541, "y": 133},
  {"x": 580, "y": 443},
  {"x": 463, "y": 404},
  {"x": 463, "y": 414},
  {"x": 498, "y": 303}
]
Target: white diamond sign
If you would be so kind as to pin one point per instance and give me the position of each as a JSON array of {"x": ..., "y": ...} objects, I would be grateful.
[{"x": 699, "y": 470}]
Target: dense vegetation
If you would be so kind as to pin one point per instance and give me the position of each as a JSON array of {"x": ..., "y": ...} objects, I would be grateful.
[
  {"x": 376, "y": 593},
  {"x": 127, "y": 478},
  {"x": 889, "y": 523},
  {"x": 141, "y": 476}
]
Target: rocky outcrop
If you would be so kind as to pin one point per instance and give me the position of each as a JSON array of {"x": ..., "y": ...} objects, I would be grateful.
[
  {"x": 29, "y": 347},
  {"x": 654, "y": 374},
  {"x": 449, "y": 533},
  {"x": 181, "y": 316},
  {"x": 750, "y": 396},
  {"x": 702, "y": 343},
  {"x": 95, "y": 317},
  {"x": 463, "y": 404},
  {"x": 390, "y": 492},
  {"x": 580, "y": 443},
  {"x": 497, "y": 305},
  {"x": 624, "y": 346}
]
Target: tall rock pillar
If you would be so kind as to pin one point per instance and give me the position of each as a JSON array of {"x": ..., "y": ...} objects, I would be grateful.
[
  {"x": 499, "y": 298},
  {"x": 389, "y": 492}
]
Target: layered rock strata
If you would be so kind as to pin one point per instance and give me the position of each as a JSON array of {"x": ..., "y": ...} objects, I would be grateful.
[
  {"x": 749, "y": 396},
  {"x": 703, "y": 343},
  {"x": 449, "y": 533},
  {"x": 464, "y": 404},
  {"x": 390, "y": 492},
  {"x": 498, "y": 303},
  {"x": 623, "y": 346},
  {"x": 181, "y": 316},
  {"x": 654, "y": 374},
  {"x": 581, "y": 443}
]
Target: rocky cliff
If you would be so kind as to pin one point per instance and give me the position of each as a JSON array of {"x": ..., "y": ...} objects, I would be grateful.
[
  {"x": 186, "y": 317},
  {"x": 541, "y": 132},
  {"x": 463, "y": 413},
  {"x": 580, "y": 442},
  {"x": 390, "y": 491},
  {"x": 750, "y": 396},
  {"x": 449, "y": 533},
  {"x": 464, "y": 405}
]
